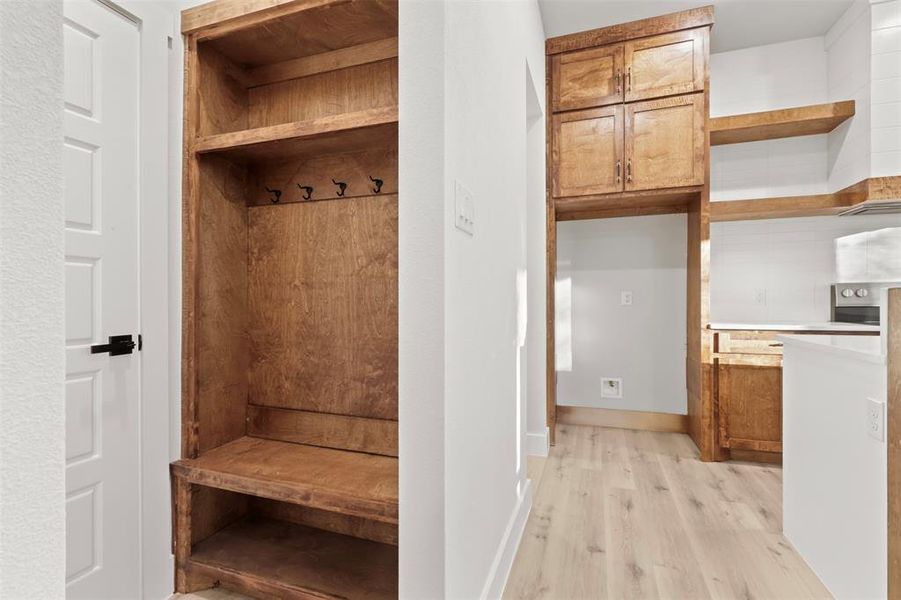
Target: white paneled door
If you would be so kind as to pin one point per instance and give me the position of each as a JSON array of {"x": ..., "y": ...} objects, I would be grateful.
[{"x": 101, "y": 113}]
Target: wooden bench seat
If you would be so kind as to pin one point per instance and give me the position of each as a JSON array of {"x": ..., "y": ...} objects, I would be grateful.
[{"x": 352, "y": 483}]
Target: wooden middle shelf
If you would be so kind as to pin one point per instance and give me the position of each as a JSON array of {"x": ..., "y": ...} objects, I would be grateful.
[
  {"x": 351, "y": 483},
  {"x": 279, "y": 559},
  {"x": 781, "y": 123},
  {"x": 267, "y": 142}
]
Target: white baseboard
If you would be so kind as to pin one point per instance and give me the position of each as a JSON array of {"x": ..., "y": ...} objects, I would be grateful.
[
  {"x": 537, "y": 443},
  {"x": 506, "y": 552}
]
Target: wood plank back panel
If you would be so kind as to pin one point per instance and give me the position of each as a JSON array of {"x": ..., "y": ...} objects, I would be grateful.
[
  {"x": 221, "y": 345},
  {"x": 376, "y": 531},
  {"x": 375, "y": 156},
  {"x": 358, "y": 434},
  {"x": 371, "y": 85},
  {"x": 323, "y": 306},
  {"x": 222, "y": 99}
]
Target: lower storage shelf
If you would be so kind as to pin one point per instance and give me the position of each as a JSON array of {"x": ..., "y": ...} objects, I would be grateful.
[{"x": 271, "y": 558}]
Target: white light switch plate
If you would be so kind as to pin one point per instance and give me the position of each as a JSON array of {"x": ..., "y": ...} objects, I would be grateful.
[
  {"x": 464, "y": 209},
  {"x": 625, "y": 298},
  {"x": 876, "y": 419}
]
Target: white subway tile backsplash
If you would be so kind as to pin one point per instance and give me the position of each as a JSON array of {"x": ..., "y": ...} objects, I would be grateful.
[
  {"x": 886, "y": 14},
  {"x": 886, "y": 139},
  {"x": 885, "y": 164},
  {"x": 886, "y": 90},
  {"x": 887, "y": 114},
  {"x": 887, "y": 40},
  {"x": 884, "y": 66}
]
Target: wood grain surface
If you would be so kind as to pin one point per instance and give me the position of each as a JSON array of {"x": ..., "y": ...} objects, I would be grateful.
[
  {"x": 352, "y": 483},
  {"x": 323, "y": 306}
]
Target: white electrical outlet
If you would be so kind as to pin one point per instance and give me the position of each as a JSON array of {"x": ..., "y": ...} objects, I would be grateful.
[
  {"x": 876, "y": 419},
  {"x": 760, "y": 297},
  {"x": 625, "y": 298},
  {"x": 464, "y": 209},
  {"x": 611, "y": 387}
]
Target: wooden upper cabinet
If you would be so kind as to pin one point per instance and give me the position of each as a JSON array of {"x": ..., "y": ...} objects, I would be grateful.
[
  {"x": 665, "y": 143},
  {"x": 749, "y": 400},
  {"x": 588, "y": 152},
  {"x": 587, "y": 78},
  {"x": 665, "y": 65}
]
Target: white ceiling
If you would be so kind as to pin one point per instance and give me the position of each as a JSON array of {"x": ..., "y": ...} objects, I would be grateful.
[{"x": 739, "y": 23}]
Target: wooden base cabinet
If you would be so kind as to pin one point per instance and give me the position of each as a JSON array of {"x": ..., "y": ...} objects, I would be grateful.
[{"x": 749, "y": 400}]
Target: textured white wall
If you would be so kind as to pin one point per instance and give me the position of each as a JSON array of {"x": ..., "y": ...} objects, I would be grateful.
[
  {"x": 32, "y": 357},
  {"x": 644, "y": 344},
  {"x": 422, "y": 223},
  {"x": 487, "y": 46}
]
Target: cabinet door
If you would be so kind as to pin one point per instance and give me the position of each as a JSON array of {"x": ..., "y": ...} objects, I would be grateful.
[
  {"x": 588, "y": 152},
  {"x": 665, "y": 143},
  {"x": 664, "y": 65},
  {"x": 749, "y": 401},
  {"x": 588, "y": 78}
]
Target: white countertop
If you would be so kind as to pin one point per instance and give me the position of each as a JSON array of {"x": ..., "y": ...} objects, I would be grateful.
[
  {"x": 785, "y": 326},
  {"x": 867, "y": 348}
]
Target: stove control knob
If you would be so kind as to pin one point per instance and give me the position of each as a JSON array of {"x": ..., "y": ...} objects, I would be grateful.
[
  {"x": 862, "y": 293},
  {"x": 847, "y": 293}
]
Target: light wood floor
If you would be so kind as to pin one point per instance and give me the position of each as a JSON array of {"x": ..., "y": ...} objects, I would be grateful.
[{"x": 635, "y": 514}]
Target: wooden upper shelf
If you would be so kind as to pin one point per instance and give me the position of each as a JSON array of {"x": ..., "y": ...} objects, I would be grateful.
[
  {"x": 782, "y": 123},
  {"x": 333, "y": 131},
  {"x": 351, "y": 483}
]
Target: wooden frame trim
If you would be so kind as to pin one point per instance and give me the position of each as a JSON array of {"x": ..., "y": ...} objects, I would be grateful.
[
  {"x": 230, "y": 15},
  {"x": 688, "y": 19},
  {"x": 622, "y": 419},
  {"x": 893, "y": 441}
]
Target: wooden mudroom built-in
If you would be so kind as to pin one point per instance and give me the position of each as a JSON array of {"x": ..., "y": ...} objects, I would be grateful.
[{"x": 288, "y": 481}]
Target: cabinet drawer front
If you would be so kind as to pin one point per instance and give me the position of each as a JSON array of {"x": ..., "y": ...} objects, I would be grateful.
[
  {"x": 587, "y": 151},
  {"x": 588, "y": 78},
  {"x": 665, "y": 143},
  {"x": 747, "y": 342},
  {"x": 664, "y": 65},
  {"x": 749, "y": 402}
]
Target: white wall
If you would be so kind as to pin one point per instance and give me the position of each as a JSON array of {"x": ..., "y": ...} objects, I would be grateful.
[
  {"x": 886, "y": 89},
  {"x": 422, "y": 289},
  {"x": 32, "y": 357},
  {"x": 834, "y": 473},
  {"x": 644, "y": 343},
  {"x": 764, "y": 78},
  {"x": 536, "y": 262},
  {"x": 780, "y": 269},
  {"x": 487, "y": 47}
]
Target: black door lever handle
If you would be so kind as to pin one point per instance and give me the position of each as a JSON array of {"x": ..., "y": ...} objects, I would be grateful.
[{"x": 118, "y": 345}]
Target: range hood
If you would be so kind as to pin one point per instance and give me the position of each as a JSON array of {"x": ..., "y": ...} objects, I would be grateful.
[{"x": 873, "y": 207}]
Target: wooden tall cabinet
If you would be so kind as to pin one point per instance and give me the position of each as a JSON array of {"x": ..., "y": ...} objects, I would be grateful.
[
  {"x": 288, "y": 482},
  {"x": 628, "y": 136}
]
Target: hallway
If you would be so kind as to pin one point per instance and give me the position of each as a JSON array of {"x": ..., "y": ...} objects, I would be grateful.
[{"x": 634, "y": 514}]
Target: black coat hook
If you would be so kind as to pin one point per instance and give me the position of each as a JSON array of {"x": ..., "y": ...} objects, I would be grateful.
[
  {"x": 341, "y": 186},
  {"x": 276, "y": 195},
  {"x": 378, "y": 184},
  {"x": 308, "y": 189}
]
